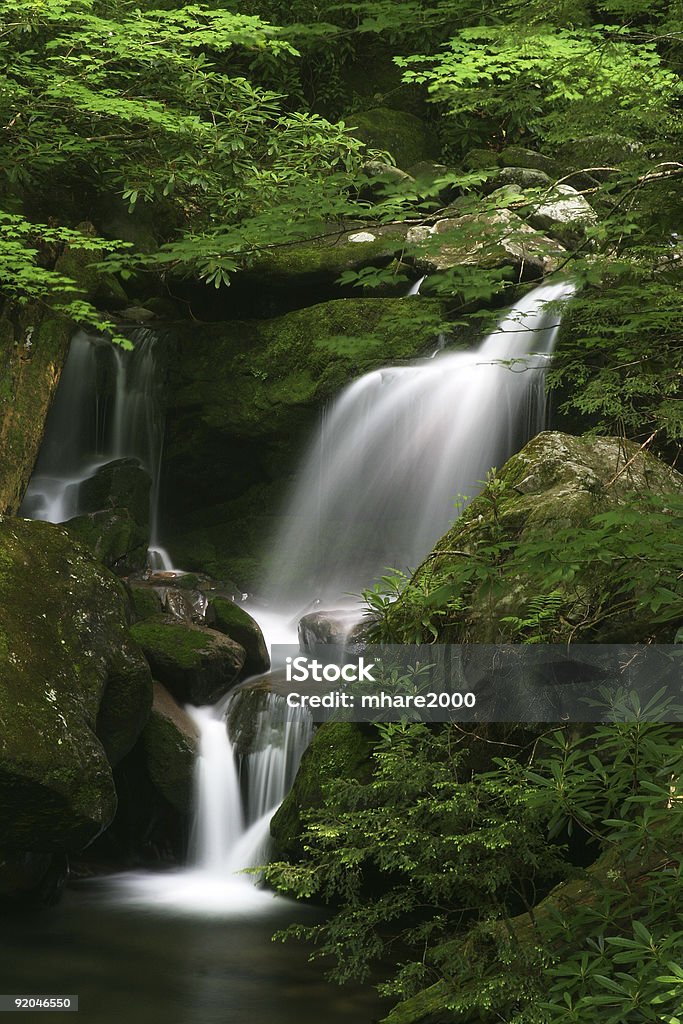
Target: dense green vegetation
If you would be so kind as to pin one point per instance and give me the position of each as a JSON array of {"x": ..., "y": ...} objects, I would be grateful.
[{"x": 150, "y": 145}]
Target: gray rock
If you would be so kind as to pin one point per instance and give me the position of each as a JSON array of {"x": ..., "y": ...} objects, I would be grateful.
[
  {"x": 564, "y": 214},
  {"x": 517, "y": 156},
  {"x": 524, "y": 177},
  {"x": 489, "y": 240}
]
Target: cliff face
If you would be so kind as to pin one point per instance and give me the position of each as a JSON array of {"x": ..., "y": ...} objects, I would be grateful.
[{"x": 33, "y": 347}]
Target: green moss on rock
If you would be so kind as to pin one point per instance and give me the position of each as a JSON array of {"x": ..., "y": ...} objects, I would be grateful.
[
  {"x": 33, "y": 348},
  {"x": 404, "y": 135},
  {"x": 72, "y": 685},
  {"x": 339, "y": 750},
  {"x": 227, "y": 617},
  {"x": 556, "y": 482},
  {"x": 195, "y": 664}
]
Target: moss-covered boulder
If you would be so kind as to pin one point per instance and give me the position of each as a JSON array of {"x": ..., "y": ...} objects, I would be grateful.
[
  {"x": 33, "y": 347},
  {"x": 75, "y": 692},
  {"x": 518, "y": 156},
  {"x": 145, "y": 599},
  {"x": 114, "y": 538},
  {"x": 550, "y": 490},
  {"x": 339, "y": 750},
  {"x": 228, "y": 618},
  {"x": 196, "y": 665},
  {"x": 523, "y": 177},
  {"x": 565, "y": 214},
  {"x": 122, "y": 483},
  {"x": 170, "y": 741},
  {"x": 400, "y": 133}
]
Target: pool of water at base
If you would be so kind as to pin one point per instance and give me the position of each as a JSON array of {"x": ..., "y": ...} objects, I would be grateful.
[{"x": 132, "y": 965}]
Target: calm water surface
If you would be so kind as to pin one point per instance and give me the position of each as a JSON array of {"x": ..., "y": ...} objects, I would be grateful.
[{"x": 134, "y": 965}]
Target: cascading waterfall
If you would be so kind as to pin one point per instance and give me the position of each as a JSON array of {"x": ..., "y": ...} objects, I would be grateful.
[
  {"x": 376, "y": 489},
  {"x": 107, "y": 407},
  {"x": 400, "y": 446}
]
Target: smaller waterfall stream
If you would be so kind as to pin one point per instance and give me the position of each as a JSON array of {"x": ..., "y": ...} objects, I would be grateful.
[
  {"x": 235, "y": 799},
  {"x": 107, "y": 407}
]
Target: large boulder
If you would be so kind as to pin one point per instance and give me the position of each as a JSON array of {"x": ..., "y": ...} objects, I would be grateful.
[
  {"x": 170, "y": 740},
  {"x": 228, "y": 618},
  {"x": 114, "y": 520},
  {"x": 197, "y": 665},
  {"x": 550, "y": 490},
  {"x": 564, "y": 214},
  {"x": 517, "y": 156},
  {"x": 122, "y": 483},
  {"x": 75, "y": 691},
  {"x": 113, "y": 537},
  {"x": 402, "y": 134}
]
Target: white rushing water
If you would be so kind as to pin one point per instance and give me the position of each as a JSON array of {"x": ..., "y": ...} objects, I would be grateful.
[
  {"x": 235, "y": 799},
  {"x": 400, "y": 446},
  {"x": 107, "y": 407}
]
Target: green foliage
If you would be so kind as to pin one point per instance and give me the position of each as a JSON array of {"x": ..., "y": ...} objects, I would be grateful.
[
  {"x": 607, "y": 367},
  {"x": 587, "y": 581},
  {"x": 547, "y": 83},
  {"x": 439, "y": 875}
]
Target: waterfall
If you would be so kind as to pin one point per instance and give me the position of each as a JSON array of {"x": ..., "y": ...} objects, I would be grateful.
[
  {"x": 107, "y": 407},
  {"x": 236, "y": 795},
  {"x": 403, "y": 444},
  {"x": 394, "y": 454}
]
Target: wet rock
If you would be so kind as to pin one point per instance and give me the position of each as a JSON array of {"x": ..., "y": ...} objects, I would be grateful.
[
  {"x": 113, "y": 537},
  {"x": 121, "y": 484},
  {"x": 197, "y": 665},
  {"x": 338, "y": 750},
  {"x": 73, "y": 689},
  {"x": 33, "y": 348},
  {"x": 145, "y": 599},
  {"x": 565, "y": 214},
  {"x": 228, "y": 618},
  {"x": 322, "y": 629},
  {"x": 170, "y": 742}
]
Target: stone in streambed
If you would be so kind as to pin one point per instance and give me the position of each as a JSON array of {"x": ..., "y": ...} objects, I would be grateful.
[
  {"x": 170, "y": 741},
  {"x": 196, "y": 665},
  {"x": 228, "y": 618}
]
